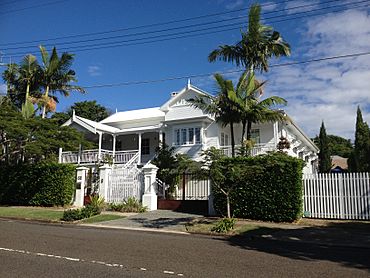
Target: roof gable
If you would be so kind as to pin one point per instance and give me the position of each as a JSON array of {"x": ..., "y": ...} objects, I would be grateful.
[{"x": 180, "y": 98}]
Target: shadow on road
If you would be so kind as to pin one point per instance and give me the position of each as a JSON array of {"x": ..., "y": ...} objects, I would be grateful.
[
  {"x": 162, "y": 222},
  {"x": 346, "y": 243}
]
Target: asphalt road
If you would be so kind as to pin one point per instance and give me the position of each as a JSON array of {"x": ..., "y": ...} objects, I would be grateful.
[{"x": 41, "y": 250}]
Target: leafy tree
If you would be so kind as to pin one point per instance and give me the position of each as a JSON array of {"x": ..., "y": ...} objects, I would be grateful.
[
  {"x": 324, "y": 155},
  {"x": 338, "y": 145},
  {"x": 258, "y": 44},
  {"x": 360, "y": 161},
  {"x": 31, "y": 140},
  {"x": 56, "y": 75},
  {"x": 221, "y": 106},
  {"x": 87, "y": 109},
  {"x": 171, "y": 165}
]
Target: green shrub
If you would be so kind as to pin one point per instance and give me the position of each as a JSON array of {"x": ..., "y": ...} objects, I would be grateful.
[
  {"x": 129, "y": 205},
  {"x": 265, "y": 187},
  {"x": 224, "y": 225},
  {"x": 98, "y": 202},
  {"x": 40, "y": 184},
  {"x": 72, "y": 215},
  {"x": 78, "y": 214}
]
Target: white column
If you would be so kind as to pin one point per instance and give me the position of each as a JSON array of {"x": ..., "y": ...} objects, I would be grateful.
[
  {"x": 139, "y": 159},
  {"x": 60, "y": 155},
  {"x": 80, "y": 187},
  {"x": 114, "y": 147},
  {"x": 104, "y": 172},
  {"x": 276, "y": 133},
  {"x": 160, "y": 138},
  {"x": 150, "y": 197},
  {"x": 100, "y": 141}
]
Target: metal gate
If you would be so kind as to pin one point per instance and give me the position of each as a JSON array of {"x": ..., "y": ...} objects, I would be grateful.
[
  {"x": 124, "y": 183},
  {"x": 191, "y": 195}
]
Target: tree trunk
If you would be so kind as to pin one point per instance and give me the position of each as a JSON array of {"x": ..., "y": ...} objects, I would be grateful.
[
  {"x": 27, "y": 92},
  {"x": 244, "y": 123},
  {"x": 232, "y": 140},
  {"x": 249, "y": 128},
  {"x": 228, "y": 206},
  {"x": 46, "y": 96}
]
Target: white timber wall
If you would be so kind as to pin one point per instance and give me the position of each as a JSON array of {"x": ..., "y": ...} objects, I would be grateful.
[{"x": 337, "y": 196}]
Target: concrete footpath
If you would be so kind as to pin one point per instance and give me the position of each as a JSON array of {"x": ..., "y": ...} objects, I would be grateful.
[{"x": 321, "y": 232}]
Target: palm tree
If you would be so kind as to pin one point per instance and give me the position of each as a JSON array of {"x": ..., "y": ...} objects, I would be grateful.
[
  {"x": 258, "y": 44},
  {"x": 251, "y": 109},
  {"x": 29, "y": 71},
  {"x": 220, "y": 106},
  {"x": 57, "y": 75}
]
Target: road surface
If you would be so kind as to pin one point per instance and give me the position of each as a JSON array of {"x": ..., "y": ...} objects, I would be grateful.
[{"x": 43, "y": 250}]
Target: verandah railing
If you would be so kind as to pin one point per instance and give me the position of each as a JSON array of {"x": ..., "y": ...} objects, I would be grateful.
[
  {"x": 92, "y": 156},
  {"x": 256, "y": 150}
]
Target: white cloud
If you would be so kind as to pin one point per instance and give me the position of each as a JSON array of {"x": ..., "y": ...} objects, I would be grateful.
[
  {"x": 234, "y": 4},
  {"x": 328, "y": 90},
  {"x": 2, "y": 89},
  {"x": 94, "y": 70}
]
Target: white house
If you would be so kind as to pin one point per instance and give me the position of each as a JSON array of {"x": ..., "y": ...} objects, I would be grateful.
[{"x": 132, "y": 136}]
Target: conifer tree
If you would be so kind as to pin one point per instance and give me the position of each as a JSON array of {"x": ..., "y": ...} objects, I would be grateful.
[
  {"x": 324, "y": 154},
  {"x": 360, "y": 161}
]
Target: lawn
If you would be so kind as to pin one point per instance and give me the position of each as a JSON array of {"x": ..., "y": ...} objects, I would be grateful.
[{"x": 50, "y": 214}]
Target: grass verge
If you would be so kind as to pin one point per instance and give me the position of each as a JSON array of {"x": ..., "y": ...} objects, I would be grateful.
[
  {"x": 49, "y": 214},
  {"x": 101, "y": 218}
]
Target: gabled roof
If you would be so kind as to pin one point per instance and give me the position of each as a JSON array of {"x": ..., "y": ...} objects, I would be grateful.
[
  {"x": 131, "y": 115},
  {"x": 179, "y": 94},
  {"x": 90, "y": 125}
]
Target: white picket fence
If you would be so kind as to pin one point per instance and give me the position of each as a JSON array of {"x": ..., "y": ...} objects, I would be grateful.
[
  {"x": 337, "y": 196},
  {"x": 124, "y": 183}
]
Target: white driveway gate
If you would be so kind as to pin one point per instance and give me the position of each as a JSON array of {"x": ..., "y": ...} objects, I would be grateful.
[
  {"x": 124, "y": 183},
  {"x": 337, "y": 196}
]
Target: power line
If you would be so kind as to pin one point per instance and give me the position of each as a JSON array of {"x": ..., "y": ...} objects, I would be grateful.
[
  {"x": 176, "y": 28},
  {"x": 143, "y": 26},
  {"x": 352, "y": 55},
  {"x": 34, "y": 6},
  {"x": 159, "y": 38}
]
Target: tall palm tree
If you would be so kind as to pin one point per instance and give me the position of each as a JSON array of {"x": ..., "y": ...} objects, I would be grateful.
[
  {"x": 57, "y": 75},
  {"x": 29, "y": 71},
  {"x": 258, "y": 44},
  {"x": 220, "y": 106},
  {"x": 251, "y": 109}
]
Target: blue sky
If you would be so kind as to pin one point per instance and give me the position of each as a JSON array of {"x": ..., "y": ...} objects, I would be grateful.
[{"x": 328, "y": 90}]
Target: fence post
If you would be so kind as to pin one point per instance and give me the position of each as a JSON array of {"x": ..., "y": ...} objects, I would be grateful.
[
  {"x": 149, "y": 196},
  {"x": 60, "y": 155},
  {"x": 104, "y": 170},
  {"x": 80, "y": 187},
  {"x": 183, "y": 185}
]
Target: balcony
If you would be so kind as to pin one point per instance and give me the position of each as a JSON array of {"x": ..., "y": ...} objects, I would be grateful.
[
  {"x": 256, "y": 150},
  {"x": 88, "y": 157}
]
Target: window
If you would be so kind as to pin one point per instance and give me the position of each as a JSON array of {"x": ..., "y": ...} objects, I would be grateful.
[
  {"x": 187, "y": 136},
  {"x": 255, "y": 136},
  {"x": 183, "y": 136},
  {"x": 197, "y": 135},
  {"x": 145, "y": 146},
  {"x": 224, "y": 139}
]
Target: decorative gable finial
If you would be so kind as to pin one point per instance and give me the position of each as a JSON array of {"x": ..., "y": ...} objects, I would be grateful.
[
  {"x": 116, "y": 111},
  {"x": 73, "y": 114},
  {"x": 188, "y": 85}
]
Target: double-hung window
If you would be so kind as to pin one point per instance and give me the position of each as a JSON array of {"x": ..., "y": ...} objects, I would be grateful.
[
  {"x": 187, "y": 136},
  {"x": 224, "y": 139}
]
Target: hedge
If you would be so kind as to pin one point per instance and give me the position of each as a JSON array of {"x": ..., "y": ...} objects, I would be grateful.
[
  {"x": 41, "y": 184},
  {"x": 266, "y": 187}
]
